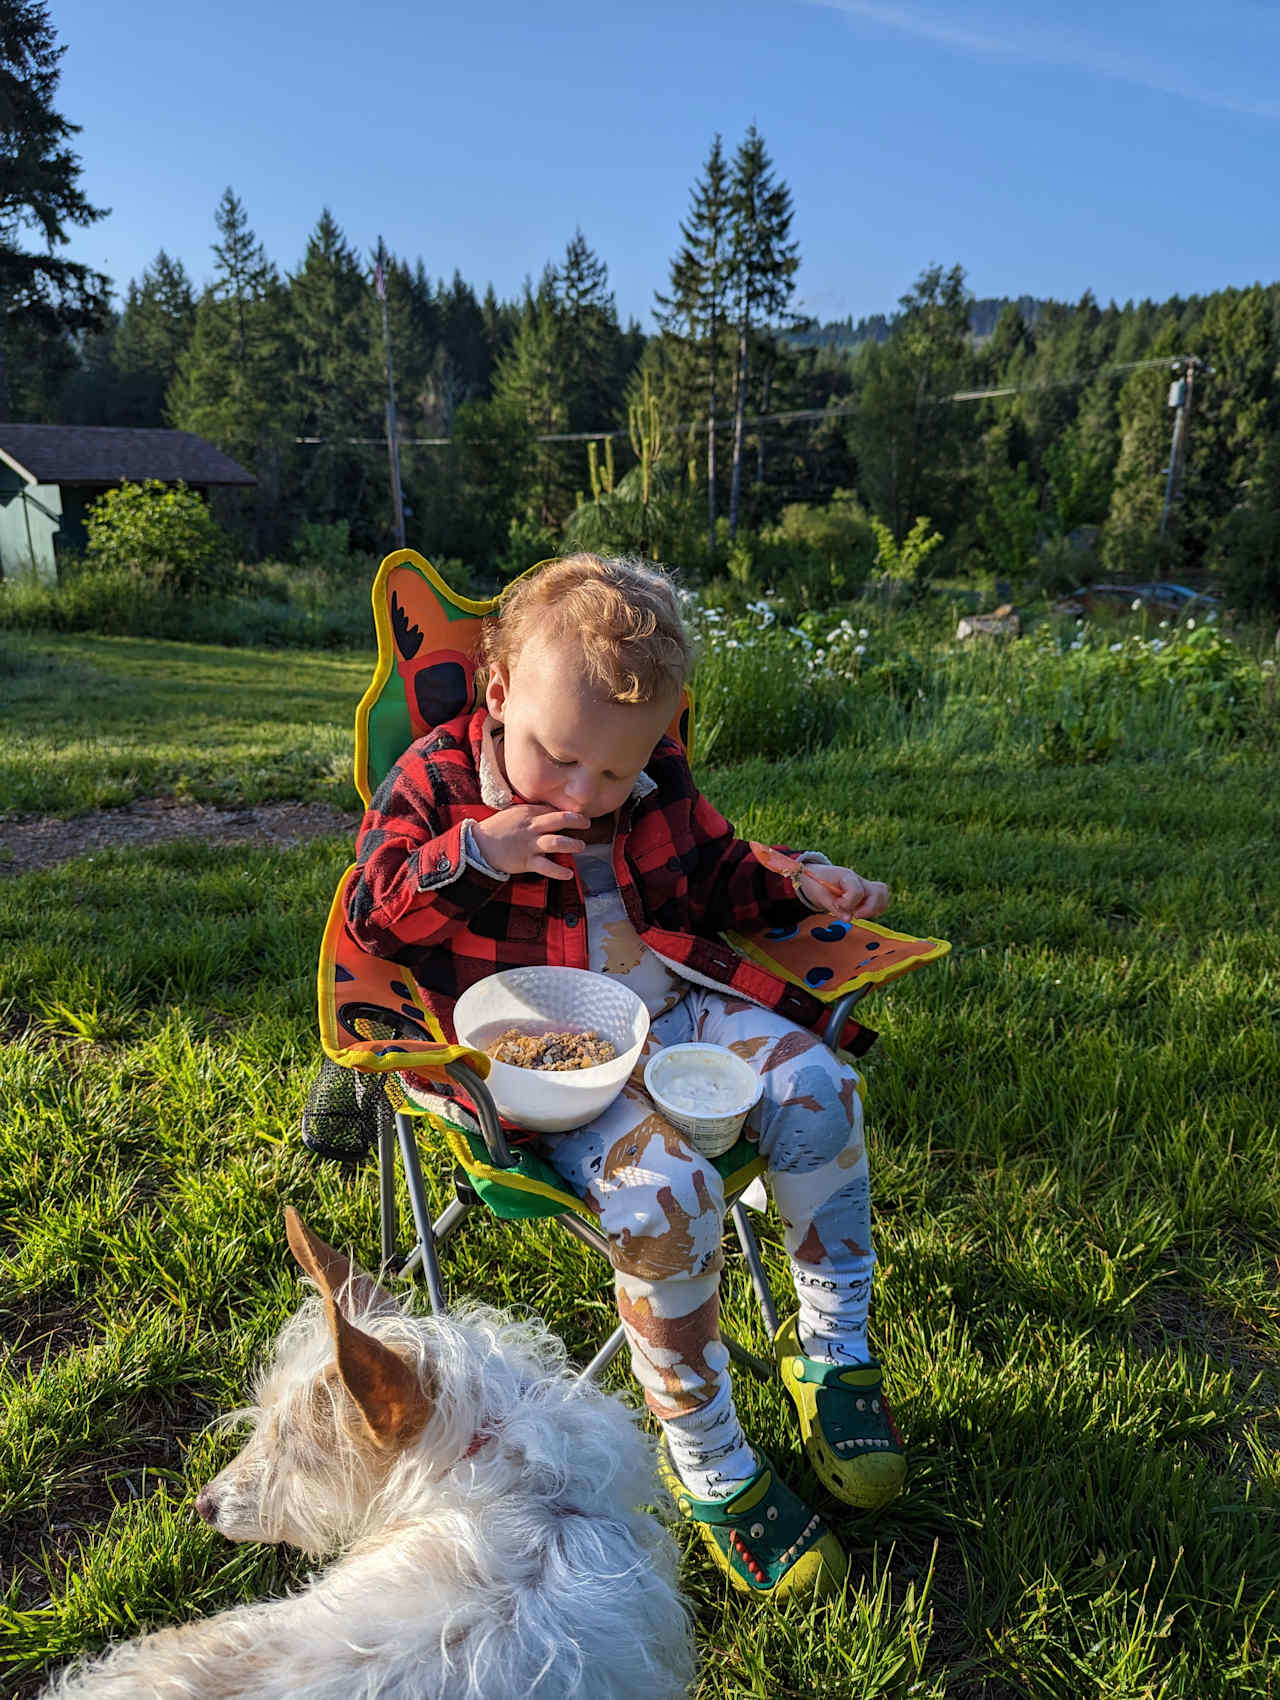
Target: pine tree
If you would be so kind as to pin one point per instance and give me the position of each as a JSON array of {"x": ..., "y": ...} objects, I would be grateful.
[
  {"x": 560, "y": 370},
  {"x": 590, "y": 334},
  {"x": 462, "y": 360},
  {"x": 338, "y": 385},
  {"x": 1132, "y": 546},
  {"x": 695, "y": 310},
  {"x": 39, "y": 194},
  {"x": 155, "y": 327},
  {"x": 907, "y": 439},
  {"x": 231, "y": 380},
  {"x": 763, "y": 264},
  {"x": 531, "y": 385}
]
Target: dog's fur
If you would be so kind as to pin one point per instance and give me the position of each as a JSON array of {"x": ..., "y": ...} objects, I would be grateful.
[{"x": 484, "y": 1503}]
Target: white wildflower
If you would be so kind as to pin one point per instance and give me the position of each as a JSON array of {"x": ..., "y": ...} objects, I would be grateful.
[
  {"x": 1136, "y": 604},
  {"x": 1116, "y": 647},
  {"x": 1078, "y": 644},
  {"x": 732, "y": 643},
  {"x": 1191, "y": 625},
  {"x": 1211, "y": 616},
  {"x": 1164, "y": 625},
  {"x": 863, "y": 632},
  {"x": 1156, "y": 646},
  {"x": 859, "y": 649}
]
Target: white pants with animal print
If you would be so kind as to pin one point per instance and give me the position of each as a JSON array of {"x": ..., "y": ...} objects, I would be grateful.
[{"x": 661, "y": 1205}]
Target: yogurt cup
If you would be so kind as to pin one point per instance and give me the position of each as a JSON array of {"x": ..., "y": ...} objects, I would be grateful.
[{"x": 706, "y": 1091}]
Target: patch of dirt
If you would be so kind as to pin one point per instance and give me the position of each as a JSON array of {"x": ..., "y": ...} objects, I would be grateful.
[{"x": 32, "y": 842}]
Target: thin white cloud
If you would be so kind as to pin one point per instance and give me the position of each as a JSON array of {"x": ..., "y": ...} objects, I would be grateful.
[{"x": 1042, "y": 48}]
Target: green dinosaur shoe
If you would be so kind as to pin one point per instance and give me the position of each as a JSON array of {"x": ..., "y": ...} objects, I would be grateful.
[
  {"x": 764, "y": 1538},
  {"x": 849, "y": 1432}
]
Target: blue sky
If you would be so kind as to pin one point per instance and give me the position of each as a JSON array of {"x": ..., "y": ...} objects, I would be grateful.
[{"x": 1129, "y": 148}]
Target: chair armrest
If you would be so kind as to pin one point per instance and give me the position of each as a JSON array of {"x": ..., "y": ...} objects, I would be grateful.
[
  {"x": 830, "y": 958},
  {"x": 372, "y": 1015},
  {"x": 487, "y": 1112}
]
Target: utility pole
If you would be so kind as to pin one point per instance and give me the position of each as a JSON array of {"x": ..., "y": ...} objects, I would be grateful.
[
  {"x": 1181, "y": 391},
  {"x": 393, "y": 441}
]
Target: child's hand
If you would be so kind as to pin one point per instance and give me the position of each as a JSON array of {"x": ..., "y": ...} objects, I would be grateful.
[
  {"x": 840, "y": 891},
  {"x": 523, "y": 838}
]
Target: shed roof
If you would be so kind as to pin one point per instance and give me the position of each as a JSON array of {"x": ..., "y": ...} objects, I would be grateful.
[{"x": 110, "y": 454}]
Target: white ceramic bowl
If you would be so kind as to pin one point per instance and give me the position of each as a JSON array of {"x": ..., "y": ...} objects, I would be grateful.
[
  {"x": 553, "y": 1101},
  {"x": 710, "y": 1130}
]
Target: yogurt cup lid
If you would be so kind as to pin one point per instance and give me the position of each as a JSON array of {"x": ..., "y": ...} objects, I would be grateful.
[{"x": 717, "y": 1060}]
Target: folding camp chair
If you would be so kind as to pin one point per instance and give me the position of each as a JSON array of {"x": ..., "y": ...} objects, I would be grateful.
[{"x": 374, "y": 1022}]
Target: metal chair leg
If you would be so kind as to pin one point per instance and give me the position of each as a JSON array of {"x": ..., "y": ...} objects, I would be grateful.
[
  {"x": 755, "y": 1267},
  {"x": 421, "y": 1213},
  {"x": 444, "y": 1226},
  {"x": 605, "y": 1356},
  {"x": 387, "y": 1183},
  {"x": 759, "y": 1368}
]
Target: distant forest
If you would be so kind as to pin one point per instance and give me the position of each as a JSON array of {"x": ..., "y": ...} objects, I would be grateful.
[
  {"x": 729, "y": 430},
  {"x": 878, "y": 327}
]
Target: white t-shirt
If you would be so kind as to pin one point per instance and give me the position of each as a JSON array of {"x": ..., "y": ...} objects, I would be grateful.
[{"x": 615, "y": 947}]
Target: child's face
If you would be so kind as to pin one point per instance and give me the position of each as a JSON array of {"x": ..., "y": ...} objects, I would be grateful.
[{"x": 562, "y": 744}]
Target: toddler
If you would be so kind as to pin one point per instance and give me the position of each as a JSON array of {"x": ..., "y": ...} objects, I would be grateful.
[{"x": 558, "y": 823}]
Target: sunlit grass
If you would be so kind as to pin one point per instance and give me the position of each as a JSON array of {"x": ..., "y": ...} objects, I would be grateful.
[
  {"x": 92, "y": 722},
  {"x": 1076, "y": 1168}
]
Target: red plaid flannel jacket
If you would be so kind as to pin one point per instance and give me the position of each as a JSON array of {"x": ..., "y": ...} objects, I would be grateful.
[{"x": 683, "y": 874}]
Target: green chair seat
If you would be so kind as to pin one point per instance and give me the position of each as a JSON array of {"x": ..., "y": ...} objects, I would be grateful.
[{"x": 533, "y": 1188}]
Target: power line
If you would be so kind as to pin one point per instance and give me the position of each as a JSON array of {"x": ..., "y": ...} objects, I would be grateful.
[{"x": 796, "y": 416}]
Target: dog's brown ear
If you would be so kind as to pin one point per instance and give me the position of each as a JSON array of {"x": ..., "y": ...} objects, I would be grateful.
[
  {"x": 383, "y": 1385},
  {"x": 385, "y": 1389},
  {"x": 330, "y": 1270}
]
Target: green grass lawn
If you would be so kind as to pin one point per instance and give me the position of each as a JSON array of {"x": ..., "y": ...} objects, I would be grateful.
[
  {"x": 91, "y": 722},
  {"x": 1075, "y": 1163}
]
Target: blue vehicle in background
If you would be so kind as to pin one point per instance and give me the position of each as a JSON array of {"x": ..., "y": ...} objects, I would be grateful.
[{"x": 1170, "y": 601}]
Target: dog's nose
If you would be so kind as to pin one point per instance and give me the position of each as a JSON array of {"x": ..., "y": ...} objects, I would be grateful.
[{"x": 206, "y": 1505}]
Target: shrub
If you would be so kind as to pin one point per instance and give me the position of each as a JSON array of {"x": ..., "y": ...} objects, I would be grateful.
[
  {"x": 161, "y": 533},
  {"x": 528, "y": 542},
  {"x": 754, "y": 693},
  {"x": 907, "y": 562},
  {"x": 324, "y": 545},
  {"x": 1249, "y": 543},
  {"x": 278, "y": 606}
]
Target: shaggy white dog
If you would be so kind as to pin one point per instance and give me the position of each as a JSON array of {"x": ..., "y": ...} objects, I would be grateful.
[{"x": 484, "y": 1502}]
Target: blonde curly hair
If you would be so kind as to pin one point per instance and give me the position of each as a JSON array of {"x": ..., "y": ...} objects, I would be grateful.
[{"x": 624, "y": 614}]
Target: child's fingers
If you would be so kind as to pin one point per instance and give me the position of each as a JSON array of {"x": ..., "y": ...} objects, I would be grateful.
[
  {"x": 553, "y": 870},
  {"x": 875, "y": 900},
  {"x": 550, "y": 845},
  {"x": 559, "y": 820}
]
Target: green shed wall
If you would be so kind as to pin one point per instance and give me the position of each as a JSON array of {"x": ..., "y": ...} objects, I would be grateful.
[{"x": 30, "y": 518}]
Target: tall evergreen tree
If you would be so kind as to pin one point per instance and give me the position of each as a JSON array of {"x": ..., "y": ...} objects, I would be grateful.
[
  {"x": 1132, "y": 545},
  {"x": 591, "y": 337},
  {"x": 232, "y": 376},
  {"x": 155, "y": 327},
  {"x": 907, "y": 439},
  {"x": 39, "y": 193},
  {"x": 339, "y": 385},
  {"x": 531, "y": 385},
  {"x": 561, "y": 371},
  {"x": 696, "y": 308},
  {"x": 763, "y": 264},
  {"x": 462, "y": 361}
]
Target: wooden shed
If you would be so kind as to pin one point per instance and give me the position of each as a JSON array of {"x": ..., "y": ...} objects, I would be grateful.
[{"x": 49, "y": 473}]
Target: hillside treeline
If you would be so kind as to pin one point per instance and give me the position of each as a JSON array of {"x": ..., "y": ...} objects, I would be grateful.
[{"x": 1063, "y": 476}]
